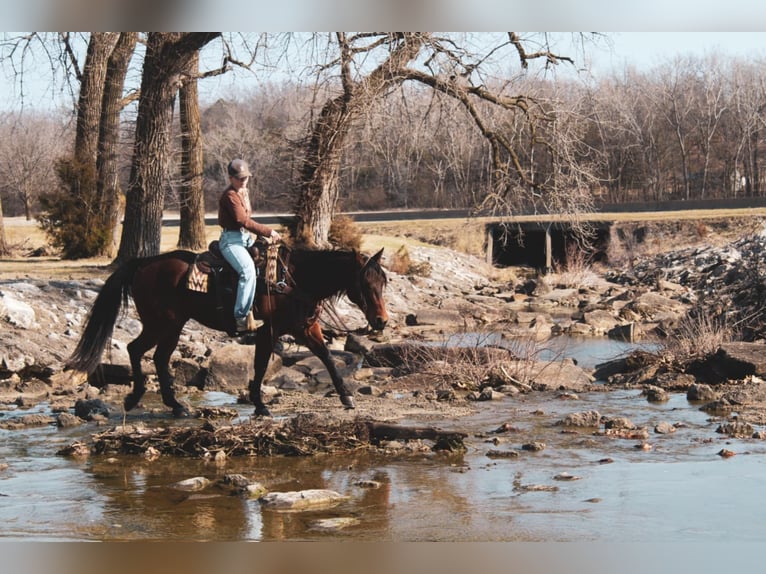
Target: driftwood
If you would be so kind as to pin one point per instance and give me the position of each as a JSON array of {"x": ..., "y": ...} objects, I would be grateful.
[
  {"x": 384, "y": 431},
  {"x": 302, "y": 435}
]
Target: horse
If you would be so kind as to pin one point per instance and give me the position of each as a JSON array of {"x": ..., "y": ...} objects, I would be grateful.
[{"x": 164, "y": 303}]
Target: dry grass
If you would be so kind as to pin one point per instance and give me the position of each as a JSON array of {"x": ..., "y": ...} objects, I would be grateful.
[
  {"x": 699, "y": 333},
  {"x": 464, "y": 235}
]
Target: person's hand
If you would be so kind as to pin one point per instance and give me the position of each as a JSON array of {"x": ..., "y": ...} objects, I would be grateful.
[{"x": 275, "y": 236}]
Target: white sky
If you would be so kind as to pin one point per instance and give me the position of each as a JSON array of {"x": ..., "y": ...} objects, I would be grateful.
[
  {"x": 673, "y": 27},
  {"x": 646, "y": 49}
]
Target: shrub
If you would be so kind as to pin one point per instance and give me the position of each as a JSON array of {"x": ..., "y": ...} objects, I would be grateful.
[
  {"x": 402, "y": 264},
  {"x": 701, "y": 332},
  {"x": 70, "y": 216},
  {"x": 345, "y": 233}
]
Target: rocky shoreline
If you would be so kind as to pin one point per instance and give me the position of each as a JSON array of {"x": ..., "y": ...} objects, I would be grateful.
[{"x": 42, "y": 319}]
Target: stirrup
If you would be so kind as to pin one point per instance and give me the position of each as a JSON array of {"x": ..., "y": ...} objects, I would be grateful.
[{"x": 247, "y": 324}]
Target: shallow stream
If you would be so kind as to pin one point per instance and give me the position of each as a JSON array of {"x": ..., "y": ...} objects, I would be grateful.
[{"x": 580, "y": 487}]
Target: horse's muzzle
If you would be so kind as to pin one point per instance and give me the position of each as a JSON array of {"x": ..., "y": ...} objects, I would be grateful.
[{"x": 378, "y": 323}]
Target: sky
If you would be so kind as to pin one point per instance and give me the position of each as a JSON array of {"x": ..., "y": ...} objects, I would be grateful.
[
  {"x": 654, "y": 31},
  {"x": 647, "y": 49},
  {"x": 640, "y": 49}
]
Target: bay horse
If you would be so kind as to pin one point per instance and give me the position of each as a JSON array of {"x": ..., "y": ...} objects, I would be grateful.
[{"x": 164, "y": 304}]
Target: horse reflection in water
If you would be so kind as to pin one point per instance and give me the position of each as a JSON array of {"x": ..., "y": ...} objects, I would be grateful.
[{"x": 164, "y": 304}]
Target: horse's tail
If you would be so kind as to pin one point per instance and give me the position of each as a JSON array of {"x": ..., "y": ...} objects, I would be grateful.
[{"x": 102, "y": 318}]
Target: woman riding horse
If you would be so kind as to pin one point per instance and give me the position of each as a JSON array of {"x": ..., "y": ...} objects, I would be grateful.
[{"x": 164, "y": 304}]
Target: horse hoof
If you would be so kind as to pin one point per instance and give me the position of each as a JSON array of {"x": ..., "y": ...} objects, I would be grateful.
[
  {"x": 262, "y": 411},
  {"x": 348, "y": 401},
  {"x": 181, "y": 412},
  {"x": 130, "y": 402}
]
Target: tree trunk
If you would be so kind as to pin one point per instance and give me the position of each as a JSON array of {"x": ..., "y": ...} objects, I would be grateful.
[
  {"x": 191, "y": 233},
  {"x": 100, "y": 47},
  {"x": 4, "y": 249},
  {"x": 320, "y": 174},
  {"x": 107, "y": 164},
  {"x": 167, "y": 59},
  {"x": 321, "y": 165}
]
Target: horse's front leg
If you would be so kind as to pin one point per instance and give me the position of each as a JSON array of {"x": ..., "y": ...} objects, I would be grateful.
[
  {"x": 315, "y": 342},
  {"x": 264, "y": 345}
]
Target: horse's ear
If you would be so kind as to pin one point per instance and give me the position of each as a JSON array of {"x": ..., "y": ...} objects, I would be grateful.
[{"x": 377, "y": 256}]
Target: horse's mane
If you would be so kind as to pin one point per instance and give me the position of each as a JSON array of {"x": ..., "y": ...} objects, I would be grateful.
[{"x": 329, "y": 261}]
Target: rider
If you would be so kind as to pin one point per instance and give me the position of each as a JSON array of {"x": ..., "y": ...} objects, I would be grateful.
[{"x": 234, "y": 218}]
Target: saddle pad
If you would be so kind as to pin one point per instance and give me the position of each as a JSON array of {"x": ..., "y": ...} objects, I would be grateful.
[{"x": 196, "y": 280}]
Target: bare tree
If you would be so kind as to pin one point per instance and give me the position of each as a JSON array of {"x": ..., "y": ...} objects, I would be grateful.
[
  {"x": 167, "y": 60},
  {"x": 713, "y": 106},
  {"x": 29, "y": 145},
  {"x": 442, "y": 63}
]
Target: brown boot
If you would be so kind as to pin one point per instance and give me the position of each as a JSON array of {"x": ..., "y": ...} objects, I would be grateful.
[{"x": 252, "y": 323}]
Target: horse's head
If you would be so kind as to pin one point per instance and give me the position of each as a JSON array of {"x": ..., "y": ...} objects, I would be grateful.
[{"x": 366, "y": 291}]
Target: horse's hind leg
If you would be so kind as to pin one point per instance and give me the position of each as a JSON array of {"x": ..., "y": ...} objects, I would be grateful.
[
  {"x": 136, "y": 350},
  {"x": 162, "y": 354}
]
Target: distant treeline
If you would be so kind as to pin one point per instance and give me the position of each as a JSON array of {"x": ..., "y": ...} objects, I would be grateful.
[{"x": 691, "y": 128}]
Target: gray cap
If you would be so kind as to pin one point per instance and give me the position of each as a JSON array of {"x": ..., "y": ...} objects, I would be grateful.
[{"x": 238, "y": 168}]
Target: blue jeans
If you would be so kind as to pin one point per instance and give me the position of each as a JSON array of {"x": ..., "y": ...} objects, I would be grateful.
[{"x": 234, "y": 246}]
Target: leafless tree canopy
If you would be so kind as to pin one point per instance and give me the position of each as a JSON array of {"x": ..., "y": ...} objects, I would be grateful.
[{"x": 370, "y": 121}]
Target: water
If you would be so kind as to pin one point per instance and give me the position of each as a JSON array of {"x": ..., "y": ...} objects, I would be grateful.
[{"x": 678, "y": 491}]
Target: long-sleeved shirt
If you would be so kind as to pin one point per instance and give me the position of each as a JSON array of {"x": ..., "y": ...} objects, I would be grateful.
[{"x": 234, "y": 213}]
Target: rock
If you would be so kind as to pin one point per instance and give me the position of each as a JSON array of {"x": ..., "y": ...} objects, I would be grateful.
[
  {"x": 656, "y": 394},
  {"x": 370, "y": 390},
  {"x": 664, "y": 428},
  {"x": 582, "y": 419},
  {"x": 655, "y": 307},
  {"x": 311, "y": 499},
  {"x": 557, "y": 375},
  {"x": 502, "y": 454},
  {"x": 15, "y": 360},
  {"x": 619, "y": 423},
  {"x": 600, "y": 321},
  {"x": 736, "y": 429},
  {"x": 88, "y": 409},
  {"x": 185, "y": 372},
  {"x": 194, "y": 484},
  {"x": 356, "y": 344},
  {"x": 230, "y": 367},
  {"x": 452, "y": 320},
  {"x": 289, "y": 378},
  {"x": 566, "y": 476},
  {"x": 16, "y": 312},
  {"x": 68, "y": 420},
  {"x": 29, "y": 420},
  {"x": 490, "y": 394},
  {"x": 700, "y": 392}
]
